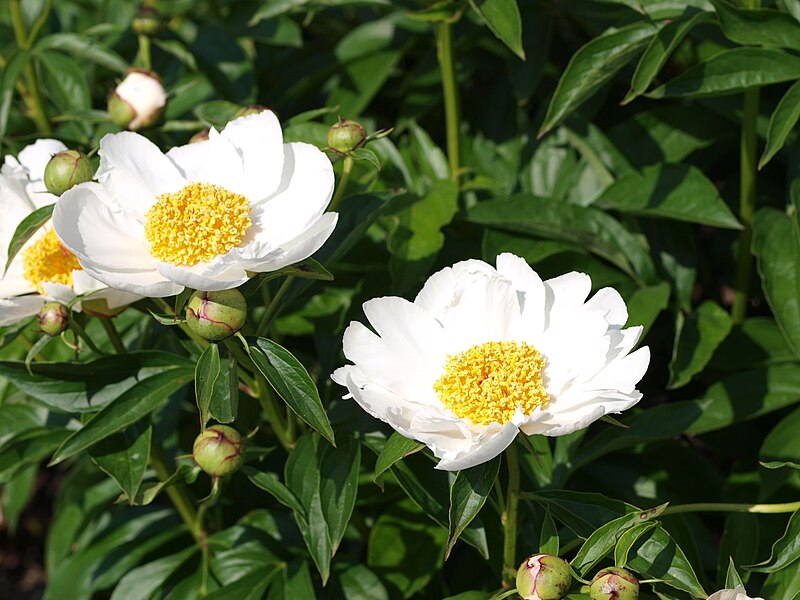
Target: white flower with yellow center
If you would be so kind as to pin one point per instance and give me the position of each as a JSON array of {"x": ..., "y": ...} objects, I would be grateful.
[
  {"x": 43, "y": 269},
  {"x": 484, "y": 353},
  {"x": 202, "y": 215}
]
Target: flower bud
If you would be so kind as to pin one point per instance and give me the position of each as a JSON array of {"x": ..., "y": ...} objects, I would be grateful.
[
  {"x": 346, "y": 136},
  {"x": 138, "y": 101},
  {"x": 543, "y": 577},
  {"x": 147, "y": 22},
  {"x": 67, "y": 169},
  {"x": 218, "y": 450},
  {"x": 53, "y": 318},
  {"x": 216, "y": 315},
  {"x": 250, "y": 109},
  {"x": 200, "y": 136},
  {"x": 614, "y": 583}
]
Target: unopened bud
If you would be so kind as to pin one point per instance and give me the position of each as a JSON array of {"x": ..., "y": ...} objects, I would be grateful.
[
  {"x": 250, "y": 109},
  {"x": 138, "y": 101},
  {"x": 218, "y": 450},
  {"x": 67, "y": 169},
  {"x": 543, "y": 577},
  {"x": 216, "y": 315},
  {"x": 614, "y": 583},
  {"x": 200, "y": 136},
  {"x": 53, "y": 318},
  {"x": 147, "y": 22},
  {"x": 346, "y": 136}
]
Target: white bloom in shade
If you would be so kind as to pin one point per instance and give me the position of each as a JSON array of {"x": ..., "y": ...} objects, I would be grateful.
[
  {"x": 138, "y": 100},
  {"x": 43, "y": 269},
  {"x": 483, "y": 353},
  {"x": 736, "y": 594},
  {"x": 202, "y": 215}
]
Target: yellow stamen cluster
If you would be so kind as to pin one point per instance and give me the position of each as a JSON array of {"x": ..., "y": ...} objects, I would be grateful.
[
  {"x": 487, "y": 383},
  {"x": 47, "y": 261},
  {"x": 195, "y": 224}
]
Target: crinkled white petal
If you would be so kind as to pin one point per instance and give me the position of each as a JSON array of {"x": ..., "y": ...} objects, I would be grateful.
[
  {"x": 148, "y": 283},
  {"x": 205, "y": 277},
  {"x": 16, "y": 309},
  {"x": 215, "y": 161}
]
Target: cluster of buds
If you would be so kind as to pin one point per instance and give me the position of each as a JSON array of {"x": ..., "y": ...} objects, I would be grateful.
[
  {"x": 547, "y": 577},
  {"x": 216, "y": 315},
  {"x": 219, "y": 450}
]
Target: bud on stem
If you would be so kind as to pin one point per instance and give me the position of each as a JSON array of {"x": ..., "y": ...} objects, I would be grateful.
[
  {"x": 216, "y": 315},
  {"x": 543, "y": 577},
  {"x": 65, "y": 170},
  {"x": 614, "y": 583},
  {"x": 218, "y": 450},
  {"x": 53, "y": 318}
]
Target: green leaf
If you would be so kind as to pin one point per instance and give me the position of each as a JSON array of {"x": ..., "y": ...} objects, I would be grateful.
[
  {"x": 216, "y": 113},
  {"x": 657, "y": 556},
  {"x": 658, "y": 51},
  {"x": 124, "y": 457},
  {"x": 25, "y": 230},
  {"x": 8, "y": 80},
  {"x": 697, "y": 337},
  {"x": 503, "y": 19},
  {"x": 308, "y": 269},
  {"x": 732, "y": 71},
  {"x": 627, "y": 539},
  {"x": 146, "y": 579},
  {"x": 468, "y": 494},
  {"x": 17, "y": 493},
  {"x": 604, "y": 538},
  {"x": 397, "y": 447},
  {"x": 65, "y": 81},
  {"x": 27, "y": 448},
  {"x": 90, "y": 386},
  {"x": 781, "y": 123},
  {"x": 132, "y": 405},
  {"x": 777, "y": 248},
  {"x": 367, "y": 155},
  {"x": 325, "y": 481},
  {"x": 360, "y": 583},
  {"x": 645, "y": 304},
  {"x": 269, "y": 482},
  {"x": 785, "y": 551},
  {"x": 732, "y": 578},
  {"x": 592, "y": 66},
  {"x": 779, "y": 465},
  {"x": 146, "y": 496},
  {"x": 588, "y": 227},
  {"x": 216, "y": 384},
  {"x": 761, "y": 27},
  {"x": 548, "y": 537},
  {"x": 293, "y": 383},
  {"x": 583, "y": 512},
  {"x": 674, "y": 191},
  {"x": 84, "y": 47}
]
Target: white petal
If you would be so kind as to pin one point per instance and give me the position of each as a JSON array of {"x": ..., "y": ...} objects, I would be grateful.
[
  {"x": 214, "y": 161},
  {"x": 259, "y": 140},
  {"x": 134, "y": 172},
  {"x": 608, "y": 301},
  {"x": 532, "y": 291},
  {"x": 565, "y": 294},
  {"x": 485, "y": 450},
  {"x": 36, "y": 156},
  {"x": 379, "y": 402},
  {"x": 148, "y": 283},
  {"x": 204, "y": 276},
  {"x": 98, "y": 236},
  {"x": 83, "y": 283},
  {"x": 16, "y": 309}
]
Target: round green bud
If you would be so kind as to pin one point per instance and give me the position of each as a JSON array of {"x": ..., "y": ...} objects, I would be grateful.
[
  {"x": 200, "y": 136},
  {"x": 543, "y": 577},
  {"x": 53, "y": 318},
  {"x": 614, "y": 583},
  {"x": 346, "y": 136},
  {"x": 218, "y": 450},
  {"x": 65, "y": 170},
  {"x": 147, "y": 22},
  {"x": 250, "y": 109},
  {"x": 216, "y": 315}
]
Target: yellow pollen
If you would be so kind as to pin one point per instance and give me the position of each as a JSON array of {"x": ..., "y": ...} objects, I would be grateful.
[
  {"x": 197, "y": 223},
  {"x": 487, "y": 383},
  {"x": 47, "y": 261}
]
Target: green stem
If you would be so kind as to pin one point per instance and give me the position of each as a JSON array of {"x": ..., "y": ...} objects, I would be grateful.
[
  {"x": 347, "y": 167},
  {"x": 144, "y": 52},
  {"x": 273, "y": 306},
  {"x": 178, "y": 494},
  {"x": 78, "y": 329},
  {"x": 510, "y": 517},
  {"x": 113, "y": 335},
  {"x": 786, "y": 507},
  {"x": 34, "y": 96},
  {"x": 164, "y": 306},
  {"x": 444, "y": 46},
  {"x": 747, "y": 197}
]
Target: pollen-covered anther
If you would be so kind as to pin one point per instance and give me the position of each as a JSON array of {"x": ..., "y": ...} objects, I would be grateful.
[
  {"x": 195, "y": 224},
  {"x": 47, "y": 261},
  {"x": 489, "y": 382}
]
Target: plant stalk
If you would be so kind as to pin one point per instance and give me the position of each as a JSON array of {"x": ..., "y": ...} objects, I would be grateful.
[
  {"x": 178, "y": 494},
  {"x": 274, "y": 304},
  {"x": 444, "y": 46},
  {"x": 113, "y": 335},
  {"x": 510, "y": 517},
  {"x": 33, "y": 99},
  {"x": 347, "y": 167},
  {"x": 786, "y": 507}
]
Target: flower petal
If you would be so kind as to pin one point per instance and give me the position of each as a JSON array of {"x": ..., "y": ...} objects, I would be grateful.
[
  {"x": 204, "y": 276},
  {"x": 486, "y": 449},
  {"x": 147, "y": 283},
  {"x": 34, "y": 157},
  {"x": 16, "y": 309},
  {"x": 259, "y": 140},
  {"x": 214, "y": 161}
]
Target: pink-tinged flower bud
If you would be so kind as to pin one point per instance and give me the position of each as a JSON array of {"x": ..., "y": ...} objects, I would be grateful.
[
  {"x": 543, "y": 577},
  {"x": 65, "y": 170},
  {"x": 346, "y": 136},
  {"x": 614, "y": 583},
  {"x": 218, "y": 450},
  {"x": 147, "y": 22},
  {"x": 53, "y": 318},
  {"x": 216, "y": 315},
  {"x": 138, "y": 101}
]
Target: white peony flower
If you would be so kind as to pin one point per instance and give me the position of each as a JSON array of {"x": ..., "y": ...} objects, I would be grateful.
[
  {"x": 138, "y": 100},
  {"x": 483, "y": 353},
  {"x": 202, "y": 215},
  {"x": 736, "y": 594},
  {"x": 43, "y": 269}
]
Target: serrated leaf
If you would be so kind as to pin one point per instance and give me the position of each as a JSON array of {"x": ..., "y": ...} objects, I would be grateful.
[
  {"x": 26, "y": 229},
  {"x": 468, "y": 494},
  {"x": 503, "y": 19},
  {"x": 129, "y": 407},
  {"x": 397, "y": 447},
  {"x": 293, "y": 383}
]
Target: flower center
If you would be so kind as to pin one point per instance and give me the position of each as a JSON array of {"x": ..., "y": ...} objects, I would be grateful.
[
  {"x": 487, "y": 383},
  {"x": 47, "y": 261},
  {"x": 197, "y": 223}
]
